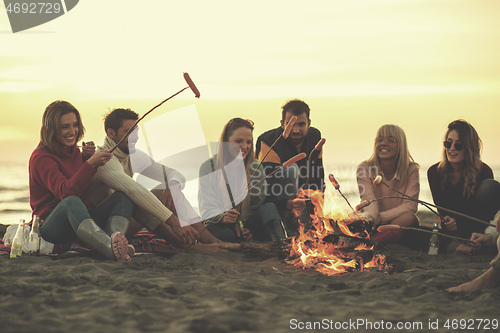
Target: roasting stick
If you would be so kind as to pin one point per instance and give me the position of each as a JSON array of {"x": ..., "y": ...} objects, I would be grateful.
[
  {"x": 379, "y": 180},
  {"x": 284, "y": 135},
  {"x": 286, "y": 132},
  {"x": 398, "y": 227},
  {"x": 365, "y": 203},
  {"x": 233, "y": 204},
  {"x": 230, "y": 193},
  {"x": 294, "y": 159},
  {"x": 288, "y": 163},
  {"x": 190, "y": 85},
  {"x": 337, "y": 187},
  {"x": 315, "y": 151}
]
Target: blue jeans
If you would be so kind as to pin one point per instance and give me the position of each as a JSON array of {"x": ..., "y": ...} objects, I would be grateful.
[
  {"x": 223, "y": 232},
  {"x": 255, "y": 223},
  {"x": 62, "y": 223},
  {"x": 285, "y": 183},
  {"x": 290, "y": 185}
]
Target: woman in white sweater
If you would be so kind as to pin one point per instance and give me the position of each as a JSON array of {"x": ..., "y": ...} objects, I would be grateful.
[{"x": 234, "y": 212}]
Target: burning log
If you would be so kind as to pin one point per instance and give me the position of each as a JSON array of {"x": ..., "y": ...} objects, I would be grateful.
[
  {"x": 347, "y": 242},
  {"x": 257, "y": 249},
  {"x": 345, "y": 246},
  {"x": 343, "y": 262},
  {"x": 330, "y": 242}
]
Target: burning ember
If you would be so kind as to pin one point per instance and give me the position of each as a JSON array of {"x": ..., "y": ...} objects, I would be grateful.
[{"x": 333, "y": 242}]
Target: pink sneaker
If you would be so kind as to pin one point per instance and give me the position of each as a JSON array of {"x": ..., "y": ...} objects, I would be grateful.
[
  {"x": 131, "y": 250},
  {"x": 120, "y": 247}
]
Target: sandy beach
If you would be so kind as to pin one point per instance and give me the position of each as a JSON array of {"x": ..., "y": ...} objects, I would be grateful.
[{"x": 232, "y": 292}]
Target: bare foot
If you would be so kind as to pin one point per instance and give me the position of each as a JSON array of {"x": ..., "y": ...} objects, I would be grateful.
[
  {"x": 208, "y": 248},
  {"x": 231, "y": 246},
  {"x": 236, "y": 247},
  {"x": 489, "y": 280}
]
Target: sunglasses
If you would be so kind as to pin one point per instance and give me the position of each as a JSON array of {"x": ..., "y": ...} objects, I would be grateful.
[
  {"x": 240, "y": 121},
  {"x": 390, "y": 139},
  {"x": 458, "y": 146}
]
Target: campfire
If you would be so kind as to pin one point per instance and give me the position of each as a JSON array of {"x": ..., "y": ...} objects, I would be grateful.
[{"x": 332, "y": 241}]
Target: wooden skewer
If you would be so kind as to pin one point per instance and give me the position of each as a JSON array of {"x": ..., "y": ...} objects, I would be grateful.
[
  {"x": 190, "y": 86},
  {"x": 204, "y": 228},
  {"x": 366, "y": 203},
  {"x": 284, "y": 135},
  {"x": 315, "y": 152},
  {"x": 379, "y": 180},
  {"x": 398, "y": 227},
  {"x": 337, "y": 187},
  {"x": 294, "y": 159}
]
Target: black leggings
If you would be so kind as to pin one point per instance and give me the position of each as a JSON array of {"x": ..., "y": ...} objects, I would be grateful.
[
  {"x": 487, "y": 200},
  {"x": 485, "y": 204}
]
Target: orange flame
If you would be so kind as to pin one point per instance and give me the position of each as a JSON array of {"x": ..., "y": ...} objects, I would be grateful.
[{"x": 312, "y": 249}]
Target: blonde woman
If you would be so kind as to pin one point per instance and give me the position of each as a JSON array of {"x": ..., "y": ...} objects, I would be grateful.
[
  {"x": 221, "y": 181},
  {"x": 391, "y": 160},
  {"x": 463, "y": 183}
]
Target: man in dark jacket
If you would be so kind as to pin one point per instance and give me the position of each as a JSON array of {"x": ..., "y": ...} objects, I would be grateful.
[{"x": 284, "y": 185}]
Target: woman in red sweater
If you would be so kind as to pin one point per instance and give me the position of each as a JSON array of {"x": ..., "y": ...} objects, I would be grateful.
[
  {"x": 463, "y": 183},
  {"x": 59, "y": 174}
]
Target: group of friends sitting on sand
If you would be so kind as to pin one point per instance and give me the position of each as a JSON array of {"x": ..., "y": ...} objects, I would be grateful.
[{"x": 88, "y": 192}]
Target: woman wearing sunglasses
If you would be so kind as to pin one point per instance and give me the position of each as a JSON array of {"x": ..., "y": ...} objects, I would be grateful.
[
  {"x": 391, "y": 160},
  {"x": 223, "y": 195},
  {"x": 463, "y": 183}
]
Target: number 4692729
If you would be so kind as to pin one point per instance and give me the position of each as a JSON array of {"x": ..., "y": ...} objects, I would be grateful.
[
  {"x": 471, "y": 324},
  {"x": 33, "y": 8}
]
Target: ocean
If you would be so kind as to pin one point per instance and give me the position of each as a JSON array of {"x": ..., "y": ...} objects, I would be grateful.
[
  {"x": 14, "y": 193},
  {"x": 14, "y": 190}
]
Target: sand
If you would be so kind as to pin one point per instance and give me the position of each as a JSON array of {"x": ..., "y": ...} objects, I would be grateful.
[{"x": 231, "y": 292}]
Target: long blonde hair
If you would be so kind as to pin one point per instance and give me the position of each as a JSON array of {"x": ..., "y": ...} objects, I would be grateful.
[
  {"x": 403, "y": 158},
  {"x": 223, "y": 156},
  {"x": 472, "y": 162}
]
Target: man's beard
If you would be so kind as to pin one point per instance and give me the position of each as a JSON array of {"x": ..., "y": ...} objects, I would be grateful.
[
  {"x": 298, "y": 140},
  {"x": 128, "y": 150}
]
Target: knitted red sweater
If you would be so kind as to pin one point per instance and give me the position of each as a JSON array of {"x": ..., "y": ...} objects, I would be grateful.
[{"x": 53, "y": 178}]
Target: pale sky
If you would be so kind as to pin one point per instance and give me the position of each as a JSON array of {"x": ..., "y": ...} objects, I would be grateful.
[{"x": 359, "y": 64}]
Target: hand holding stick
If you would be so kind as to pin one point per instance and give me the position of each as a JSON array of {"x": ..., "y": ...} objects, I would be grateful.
[
  {"x": 315, "y": 151},
  {"x": 204, "y": 228},
  {"x": 284, "y": 135},
  {"x": 288, "y": 163}
]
